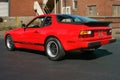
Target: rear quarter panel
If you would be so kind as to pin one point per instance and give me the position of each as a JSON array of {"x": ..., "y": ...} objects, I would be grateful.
[{"x": 65, "y": 33}]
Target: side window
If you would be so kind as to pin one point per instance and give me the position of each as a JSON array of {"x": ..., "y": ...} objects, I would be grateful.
[
  {"x": 67, "y": 20},
  {"x": 77, "y": 20},
  {"x": 48, "y": 21},
  {"x": 36, "y": 23}
]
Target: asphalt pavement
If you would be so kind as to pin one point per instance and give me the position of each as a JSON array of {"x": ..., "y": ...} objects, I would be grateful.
[{"x": 103, "y": 64}]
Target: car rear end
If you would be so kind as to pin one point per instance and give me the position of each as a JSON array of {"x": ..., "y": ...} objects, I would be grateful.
[
  {"x": 87, "y": 33},
  {"x": 95, "y": 35}
]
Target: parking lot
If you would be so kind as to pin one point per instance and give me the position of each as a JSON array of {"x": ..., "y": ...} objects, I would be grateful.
[{"x": 104, "y": 64}]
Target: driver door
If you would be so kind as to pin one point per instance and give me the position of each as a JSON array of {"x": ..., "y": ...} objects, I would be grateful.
[{"x": 32, "y": 34}]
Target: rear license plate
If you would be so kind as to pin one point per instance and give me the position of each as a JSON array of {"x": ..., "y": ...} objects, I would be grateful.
[{"x": 100, "y": 33}]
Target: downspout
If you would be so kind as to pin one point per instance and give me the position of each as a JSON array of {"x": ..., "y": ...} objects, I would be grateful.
[
  {"x": 61, "y": 6},
  {"x": 65, "y": 7},
  {"x": 55, "y": 6}
]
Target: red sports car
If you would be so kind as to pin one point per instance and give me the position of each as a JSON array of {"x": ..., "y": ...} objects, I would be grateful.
[{"x": 58, "y": 33}]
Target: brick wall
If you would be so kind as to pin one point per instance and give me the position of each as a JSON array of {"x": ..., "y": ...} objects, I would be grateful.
[
  {"x": 104, "y": 7},
  {"x": 22, "y": 7},
  {"x": 104, "y": 10}
]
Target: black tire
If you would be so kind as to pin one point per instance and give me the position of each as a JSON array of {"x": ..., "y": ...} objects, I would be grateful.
[
  {"x": 9, "y": 43},
  {"x": 54, "y": 49}
]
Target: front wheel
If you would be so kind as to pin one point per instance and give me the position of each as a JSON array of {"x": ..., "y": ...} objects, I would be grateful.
[
  {"x": 54, "y": 49},
  {"x": 9, "y": 43}
]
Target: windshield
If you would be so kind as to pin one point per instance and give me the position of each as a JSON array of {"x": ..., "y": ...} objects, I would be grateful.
[{"x": 74, "y": 19}]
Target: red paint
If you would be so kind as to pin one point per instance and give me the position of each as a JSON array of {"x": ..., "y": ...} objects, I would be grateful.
[{"x": 67, "y": 34}]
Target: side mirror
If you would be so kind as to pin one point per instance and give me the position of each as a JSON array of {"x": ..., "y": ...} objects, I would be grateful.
[{"x": 24, "y": 26}]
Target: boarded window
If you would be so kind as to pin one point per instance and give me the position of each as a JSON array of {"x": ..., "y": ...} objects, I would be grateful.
[
  {"x": 116, "y": 10},
  {"x": 92, "y": 11}
]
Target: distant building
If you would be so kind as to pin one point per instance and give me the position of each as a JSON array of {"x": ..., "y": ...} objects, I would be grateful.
[
  {"x": 105, "y": 10},
  {"x": 22, "y": 8},
  {"x": 93, "y": 7},
  {"x": 79, "y": 7},
  {"x": 108, "y": 10},
  {"x": 4, "y": 11}
]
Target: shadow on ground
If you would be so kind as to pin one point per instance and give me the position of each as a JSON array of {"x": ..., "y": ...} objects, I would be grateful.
[
  {"x": 87, "y": 55},
  {"x": 75, "y": 55},
  {"x": 32, "y": 51}
]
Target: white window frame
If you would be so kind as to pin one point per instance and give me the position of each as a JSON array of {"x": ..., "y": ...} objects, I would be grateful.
[
  {"x": 66, "y": 10},
  {"x": 73, "y": 2}
]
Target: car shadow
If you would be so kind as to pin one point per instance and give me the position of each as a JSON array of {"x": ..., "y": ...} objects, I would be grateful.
[
  {"x": 87, "y": 55},
  {"x": 75, "y": 55},
  {"x": 32, "y": 51}
]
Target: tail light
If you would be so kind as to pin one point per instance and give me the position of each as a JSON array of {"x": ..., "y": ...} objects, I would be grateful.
[
  {"x": 109, "y": 32},
  {"x": 86, "y": 34}
]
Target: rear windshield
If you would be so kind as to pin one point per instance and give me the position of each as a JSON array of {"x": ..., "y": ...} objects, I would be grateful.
[{"x": 74, "y": 19}]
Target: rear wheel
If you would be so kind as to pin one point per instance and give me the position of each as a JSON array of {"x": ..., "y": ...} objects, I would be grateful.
[
  {"x": 9, "y": 43},
  {"x": 54, "y": 49}
]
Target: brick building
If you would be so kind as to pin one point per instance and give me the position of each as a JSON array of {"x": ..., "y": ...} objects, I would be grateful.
[
  {"x": 108, "y": 10},
  {"x": 22, "y": 7},
  {"x": 94, "y": 7},
  {"x": 79, "y": 7},
  {"x": 105, "y": 10}
]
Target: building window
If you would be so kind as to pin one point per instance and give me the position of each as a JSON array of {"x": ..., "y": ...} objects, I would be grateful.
[
  {"x": 75, "y": 4},
  {"x": 66, "y": 10},
  {"x": 92, "y": 11},
  {"x": 116, "y": 10},
  {"x": 4, "y": 9}
]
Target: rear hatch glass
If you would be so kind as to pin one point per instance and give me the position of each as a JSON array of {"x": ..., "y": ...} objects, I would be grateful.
[{"x": 73, "y": 19}]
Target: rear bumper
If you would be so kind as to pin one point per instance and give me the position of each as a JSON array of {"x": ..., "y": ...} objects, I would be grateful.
[
  {"x": 98, "y": 44},
  {"x": 94, "y": 44},
  {"x": 113, "y": 40},
  {"x": 87, "y": 44}
]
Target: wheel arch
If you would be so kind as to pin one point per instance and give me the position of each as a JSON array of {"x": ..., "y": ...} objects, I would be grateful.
[
  {"x": 61, "y": 40},
  {"x": 51, "y": 36},
  {"x": 6, "y": 36}
]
